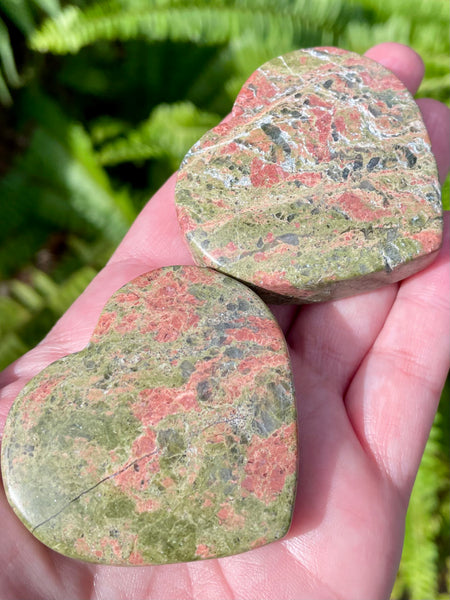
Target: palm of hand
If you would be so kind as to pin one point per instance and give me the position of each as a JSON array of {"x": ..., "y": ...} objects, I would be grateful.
[{"x": 368, "y": 372}]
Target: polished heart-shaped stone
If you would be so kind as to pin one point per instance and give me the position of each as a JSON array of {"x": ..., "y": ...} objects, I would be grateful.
[
  {"x": 171, "y": 437},
  {"x": 322, "y": 184}
]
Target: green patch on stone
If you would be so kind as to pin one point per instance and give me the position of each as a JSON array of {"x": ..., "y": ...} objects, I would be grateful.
[
  {"x": 168, "y": 538},
  {"x": 118, "y": 508}
]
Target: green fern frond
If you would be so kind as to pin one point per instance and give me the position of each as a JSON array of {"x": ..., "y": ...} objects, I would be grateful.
[
  {"x": 43, "y": 284},
  {"x": 6, "y": 56},
  {"x": 433, "y": 85},
  {"x": 62, "y": 296},
  {"x": 26, "y": 295},
  {"x": 106, "y": 128},
  {"x": 5, "y": 96},
  {"x": 49, "y": 7},
  {"x": 110, "y": 211},
  {"x": 199, "y": 21},
  {"x": 30, "y": 309},
  {"x": 8, "y": 71},
  {"x": 68, "y": 192},
  {"x": 169, "y": 132},
  {"x": 136, "y": 147},
  {"x": 360, "y": 36},
  {"x": 431, "y": 10},
  {"x": 59, "y": 183},
  {"x": 235, "y": 62},
  {"x": 12, "y": 315},
  {"x": 417, "y": 577},
  {"x": 20, "y": 13},
  {"x": 86, "y": 252}
]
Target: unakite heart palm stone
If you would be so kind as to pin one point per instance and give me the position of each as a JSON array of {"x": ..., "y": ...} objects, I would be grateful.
[
  {"x": 322, "y": 184},
  {"x": 171, "y": 437}
]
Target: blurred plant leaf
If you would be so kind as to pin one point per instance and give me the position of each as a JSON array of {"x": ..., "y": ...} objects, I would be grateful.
[
  {"x": 169, "y": 132},
  {"x": 58, "y": 184},
  {"x": 8, "y": 71},
  {"x": 31, "y": 308},
  {"x": 20, "y": 13},
  {"x": 201, "y": 21},
  {"x": 6, "y": 56},
  {"x": 49, "y": 7},
  {"x": 418, "y": 573},
  {"x": 432, "y": 10}
]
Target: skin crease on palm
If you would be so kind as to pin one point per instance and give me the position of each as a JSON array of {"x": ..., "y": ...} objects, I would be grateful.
[{"x": 368, "y": 373}]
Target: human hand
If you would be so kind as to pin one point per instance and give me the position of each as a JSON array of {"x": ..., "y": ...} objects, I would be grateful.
[{"x": 368, "y": 372}]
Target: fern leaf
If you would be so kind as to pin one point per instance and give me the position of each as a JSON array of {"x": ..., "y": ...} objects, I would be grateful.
[
  {"x": 431, "y": 10},
  {"x": 68, "y": 193},
  {"x": 20, "y": 13},
  {"x": 12, "y": 315},
  {"x": 417, "y": 577},
  {"x": 360, "y": 36},
  {"x": 26, "y": 295},
  {"x": 8, "y": 71},
  {"x": 93, "y": 253},
  {"x": 32, "y": 308},
  {"x": 106, "y": 128},
  {"x": 59, "y": 183},
  {"x": 433, "y": 85},
  {"x": 169, "y": 132},
  {"x": 6, "y": 56},
  {"x": 5, "y": 96},
  {"x": 43, "y": 284},
  {"x": 49, "y": 7},
  {"x": 134, "y": 148},
  {"x": 58, "y": 297},
  {"x": 72, "y": 287},
  {"x": 213, "y": 22}
]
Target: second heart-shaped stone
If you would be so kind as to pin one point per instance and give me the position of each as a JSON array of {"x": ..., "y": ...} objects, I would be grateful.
[
  {"x": 171, "y": 437},
  {"x": 322, "y": 184}
]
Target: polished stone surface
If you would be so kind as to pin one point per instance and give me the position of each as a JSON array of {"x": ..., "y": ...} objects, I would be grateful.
[
  {"x": 322, "y": 184},
  {"x": 171, "y": 437}
]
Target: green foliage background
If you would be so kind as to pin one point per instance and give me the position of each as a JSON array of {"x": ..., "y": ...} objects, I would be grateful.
[{"x": 100, "y": 101}]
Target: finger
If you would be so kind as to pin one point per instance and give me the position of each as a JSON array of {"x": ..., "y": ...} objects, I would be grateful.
[
  {"x": 437, "y": 120},
  {"x": 402, "y": 376},
  {"x": 402, "y": 60},
  {"x": 329, "y": 340}
]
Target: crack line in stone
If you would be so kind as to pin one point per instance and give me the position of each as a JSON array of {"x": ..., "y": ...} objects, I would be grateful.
[{"x": 93, "y": 488}]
